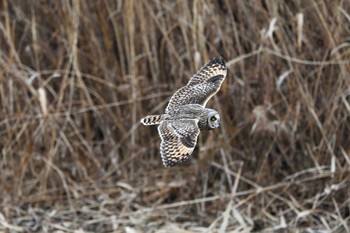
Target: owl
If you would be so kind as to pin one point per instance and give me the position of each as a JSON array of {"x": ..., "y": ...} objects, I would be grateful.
[{"x": 186, "y": 114}]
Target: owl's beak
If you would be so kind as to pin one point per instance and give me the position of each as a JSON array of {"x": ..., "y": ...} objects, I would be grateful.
[{"x": 217, "y": 123}]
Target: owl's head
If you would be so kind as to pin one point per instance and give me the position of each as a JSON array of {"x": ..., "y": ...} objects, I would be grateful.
[{"x": 213, "y": 120}]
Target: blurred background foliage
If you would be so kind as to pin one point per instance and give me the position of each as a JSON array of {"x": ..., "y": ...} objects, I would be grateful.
[{"x": 76, "y": 77}]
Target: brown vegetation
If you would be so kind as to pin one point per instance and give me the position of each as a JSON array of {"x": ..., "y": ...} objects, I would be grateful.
[{"x": 76, "y": 77}]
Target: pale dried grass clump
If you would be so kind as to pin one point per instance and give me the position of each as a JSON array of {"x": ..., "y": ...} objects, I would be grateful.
[{"x": 76, "y": 77}]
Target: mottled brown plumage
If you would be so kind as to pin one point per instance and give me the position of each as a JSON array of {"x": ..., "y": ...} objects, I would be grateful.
[{"x": 186, "y": 115}]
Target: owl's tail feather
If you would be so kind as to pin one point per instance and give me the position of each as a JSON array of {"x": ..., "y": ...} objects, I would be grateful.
[{"x": 153, "y": 119}]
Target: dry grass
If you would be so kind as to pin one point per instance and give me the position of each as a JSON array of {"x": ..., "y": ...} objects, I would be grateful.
[{"x": 76, "y": 77}]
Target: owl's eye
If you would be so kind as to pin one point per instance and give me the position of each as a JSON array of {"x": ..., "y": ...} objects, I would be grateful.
[{"x": 213, "y": 118}]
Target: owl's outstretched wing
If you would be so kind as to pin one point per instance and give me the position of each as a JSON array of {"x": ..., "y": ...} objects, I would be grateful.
[
  {"x": 178, "y": 140},
  {"x": 202, "y": 86}
]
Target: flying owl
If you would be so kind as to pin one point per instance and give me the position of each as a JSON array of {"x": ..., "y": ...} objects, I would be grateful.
[{"x": 186, "y": 114}]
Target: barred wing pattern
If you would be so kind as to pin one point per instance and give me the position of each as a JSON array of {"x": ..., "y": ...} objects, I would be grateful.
[
  {"x": 201, "y": 87},
  {"x": 178, "y": 140}
]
